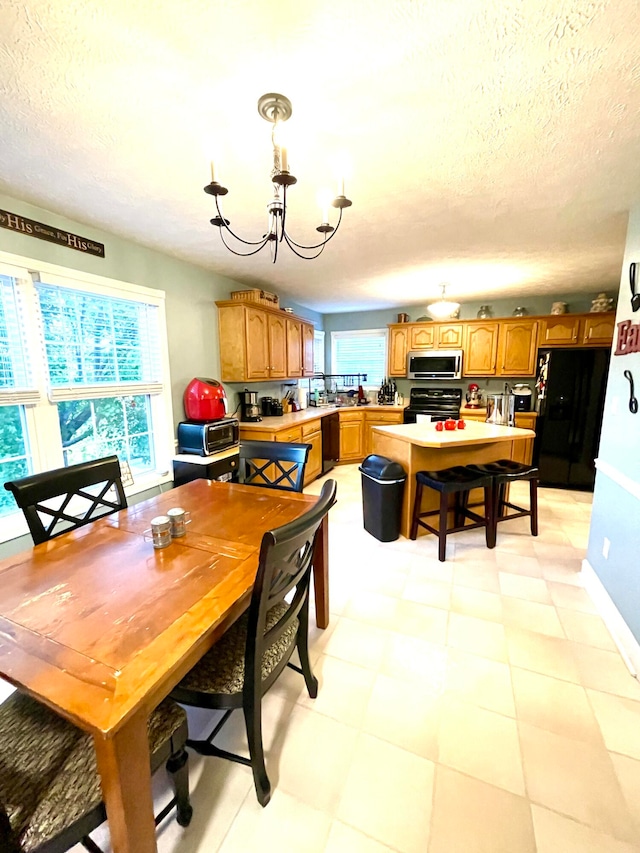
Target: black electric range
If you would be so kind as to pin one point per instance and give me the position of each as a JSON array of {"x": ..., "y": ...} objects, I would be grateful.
[{"x": 438, "y": 403}]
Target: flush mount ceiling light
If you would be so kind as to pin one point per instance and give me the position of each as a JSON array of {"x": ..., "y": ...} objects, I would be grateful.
[
  {"x": 443, "y": 309},
  {"x": 277, "y": 109}
]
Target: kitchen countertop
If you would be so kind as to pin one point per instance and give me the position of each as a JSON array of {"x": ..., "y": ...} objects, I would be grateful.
[
  {"x": 312, "y": 413},
  {"x": 426, "y": 435}
]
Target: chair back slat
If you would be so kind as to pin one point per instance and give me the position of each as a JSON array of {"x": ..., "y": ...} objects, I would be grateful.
[
  {"x": 54, "y": 502},
  {"x": 286, "y": 556},
  {"x": 273, "y": 464}
]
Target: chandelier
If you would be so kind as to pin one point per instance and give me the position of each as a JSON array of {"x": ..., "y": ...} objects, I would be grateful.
[
  {"x": 443, "y": 309},
  {"x": 277, "y": 109}
]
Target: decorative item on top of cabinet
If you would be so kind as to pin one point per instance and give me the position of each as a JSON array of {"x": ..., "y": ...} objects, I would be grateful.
[
  {"x": 559, "y": 308},
  {"x": 484, "y": 313},
  {"x": 601, "y": 303}
]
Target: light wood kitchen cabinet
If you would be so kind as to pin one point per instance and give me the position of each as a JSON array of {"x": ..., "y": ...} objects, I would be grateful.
[
  {"x": 259, "y": 343},
  {"x": 574, "y": 330},
  {"x": 449, "y": 335},
  {"x": 256, "y": 345},
  {"x": 291, "y": 435},
  {"x": 398, "y": 348},
  {"x": 598, "y": 329},
  {"x": 560, "y": 330},
  {"x": 480, "y": 349},
  {"x": 308, "y": 338},
  {"x": 351, "y": 444},
  {"x": 517, "y": 347},
  {"x": 422, "y": 337},
  {"x": 294, "y": 348},
  {"x": 377, "y": 418},
  {"x": 311, "y": 434},
  {"x": 277, "y": 347}
]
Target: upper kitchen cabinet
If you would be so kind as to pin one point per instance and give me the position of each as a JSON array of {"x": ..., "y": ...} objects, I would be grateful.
[
  {"x": 259, "y": 343},
  {"x": 575, "y": 330},
  {"x": 480, "y": 349},
  {"x": 294, "y": 348},
  {"x": 308, "y": 338},
  {"x": 560, "y": 330},
  {"x": 517, "y": 347},
  {"x": 398, "y": 348},
  {"x": 449, "y": 335}
]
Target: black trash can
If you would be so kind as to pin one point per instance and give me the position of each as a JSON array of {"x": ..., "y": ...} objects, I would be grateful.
[{"x": 382, "y": 490}]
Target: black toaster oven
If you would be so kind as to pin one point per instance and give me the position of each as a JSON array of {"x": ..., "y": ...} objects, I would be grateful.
[{"x": 207, "y": 438}]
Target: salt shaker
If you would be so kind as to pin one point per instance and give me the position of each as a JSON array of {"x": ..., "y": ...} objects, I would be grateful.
[
  {"x": 179, "y": 519},
  {"x": 161, "y": 531}
]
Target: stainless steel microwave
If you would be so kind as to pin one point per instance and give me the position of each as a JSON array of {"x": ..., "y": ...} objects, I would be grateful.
[{"x": 434, "y": 364}]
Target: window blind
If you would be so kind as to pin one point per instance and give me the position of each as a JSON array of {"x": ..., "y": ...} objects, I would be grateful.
[
  {"x": 98, "y": 346},
  {"x": 16, "y": 382},
  {"x": 360, "y": 351},
  {"x": 318, "y": 352}
]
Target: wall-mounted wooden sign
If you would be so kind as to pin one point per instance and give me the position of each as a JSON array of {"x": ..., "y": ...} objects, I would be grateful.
[{"x": 31, "y": 228}]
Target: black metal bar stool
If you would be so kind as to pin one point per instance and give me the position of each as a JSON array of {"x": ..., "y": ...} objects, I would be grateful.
[
  {"x": 506, "y": 471},
  {"x": 458, "y": 481}
]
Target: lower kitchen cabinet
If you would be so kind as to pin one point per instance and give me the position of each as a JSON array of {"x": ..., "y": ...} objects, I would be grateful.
[
  {"x": 351, "y": 444},
  {"x": 377, "y": 418},
  {"x": 312, "y": 434}
]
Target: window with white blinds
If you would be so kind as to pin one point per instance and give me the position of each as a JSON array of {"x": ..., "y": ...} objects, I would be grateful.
[
  {"x": 98, "y": 346},
  {"x": 318, "y": 351},
  {"x": 83, "y": 374},
  {"x": 360, "y": 351}
]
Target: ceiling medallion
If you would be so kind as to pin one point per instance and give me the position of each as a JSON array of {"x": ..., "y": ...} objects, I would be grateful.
[{"x": 277, "y": 109}]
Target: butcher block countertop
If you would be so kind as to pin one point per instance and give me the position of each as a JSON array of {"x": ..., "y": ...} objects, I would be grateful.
[
  {"x": 312, "y": 413},
  {"x": 475, "y": 432}
]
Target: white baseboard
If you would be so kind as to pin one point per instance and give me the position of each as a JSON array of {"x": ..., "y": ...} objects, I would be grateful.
[{"x": 627, "y": 644}]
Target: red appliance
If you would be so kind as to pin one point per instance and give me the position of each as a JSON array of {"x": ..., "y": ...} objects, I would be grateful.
[{"x": 205, "y": 400}]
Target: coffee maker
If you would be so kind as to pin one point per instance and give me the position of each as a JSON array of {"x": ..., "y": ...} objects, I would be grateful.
[{"x": 249, "y": 408}]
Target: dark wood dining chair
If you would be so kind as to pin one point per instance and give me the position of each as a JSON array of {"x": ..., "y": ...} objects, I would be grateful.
[
  {"x": 56, "y": 501},
  {"x": 273, "y": 464},
  {"x": 251, "y": 655},
  {"x": 50, "y": 795}
]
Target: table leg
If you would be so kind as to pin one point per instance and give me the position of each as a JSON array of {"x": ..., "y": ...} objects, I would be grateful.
[
  {"x": 124, "y": 765},
  {"x": 321, "y": 574}
]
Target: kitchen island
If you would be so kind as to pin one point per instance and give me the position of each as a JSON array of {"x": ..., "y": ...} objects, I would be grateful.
[{"x": 420, "y": 447}]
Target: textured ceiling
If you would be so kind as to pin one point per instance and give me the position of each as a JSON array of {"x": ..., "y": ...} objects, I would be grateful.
[{"x": 491, "y": 145}]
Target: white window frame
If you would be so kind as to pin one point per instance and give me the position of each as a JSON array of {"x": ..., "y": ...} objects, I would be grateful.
[
  {"x": 354, "y": 333},
  {"x": 43, "y": 427}
]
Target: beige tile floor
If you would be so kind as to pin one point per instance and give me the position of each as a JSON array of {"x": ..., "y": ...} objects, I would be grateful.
[{"x": 472, "y": 706}]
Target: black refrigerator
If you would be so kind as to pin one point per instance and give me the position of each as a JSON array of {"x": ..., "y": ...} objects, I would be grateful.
[{"x": 571, "y": 385}]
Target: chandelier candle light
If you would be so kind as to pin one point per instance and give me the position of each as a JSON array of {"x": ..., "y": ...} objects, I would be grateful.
[{"x": 277, "y": 109}]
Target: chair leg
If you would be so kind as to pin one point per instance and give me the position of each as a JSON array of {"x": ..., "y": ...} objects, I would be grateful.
[
  {"x": 442, "y": 529},
  {"x": 416, "y": 512},
  {"x": 253, "y": 720},
  {"x": 178, "y": 768},
  {"x": 533, "y": 506},
  {"x": 490, "y": 516},
  {"x": 303, "y": 651}
]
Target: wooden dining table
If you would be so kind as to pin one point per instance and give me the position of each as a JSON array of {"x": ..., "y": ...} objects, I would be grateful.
[{"x": 100, "y": 626}]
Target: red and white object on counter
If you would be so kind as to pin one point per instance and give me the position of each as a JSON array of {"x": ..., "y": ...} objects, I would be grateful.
[{"x": 205, "y": 400}]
